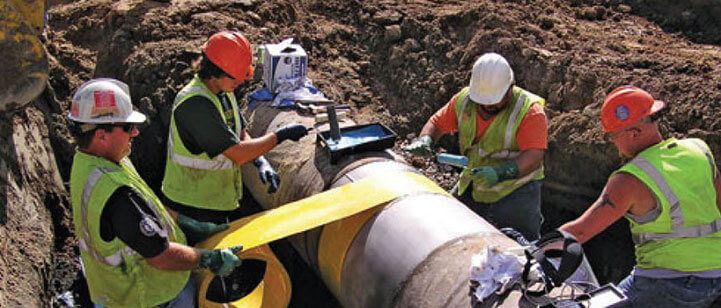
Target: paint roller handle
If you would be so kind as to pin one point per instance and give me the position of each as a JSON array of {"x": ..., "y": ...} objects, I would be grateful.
[{"x": 453, "y": 160}]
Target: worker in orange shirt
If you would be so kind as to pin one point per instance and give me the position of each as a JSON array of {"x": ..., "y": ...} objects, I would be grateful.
[{"x": 503, "y": 133}]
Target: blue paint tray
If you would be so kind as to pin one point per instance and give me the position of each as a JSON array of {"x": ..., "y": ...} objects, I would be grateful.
[{"x": 357, "y": 139}]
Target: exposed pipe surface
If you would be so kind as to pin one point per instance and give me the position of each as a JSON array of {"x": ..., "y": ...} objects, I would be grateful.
[{"x": 414, "y": 251}]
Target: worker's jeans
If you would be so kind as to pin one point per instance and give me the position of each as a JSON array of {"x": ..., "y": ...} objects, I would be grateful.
[
  {"x": 185, "y": 298},
  {"x": 520, "y": 210},
  {"x": 687, "y": 292}
]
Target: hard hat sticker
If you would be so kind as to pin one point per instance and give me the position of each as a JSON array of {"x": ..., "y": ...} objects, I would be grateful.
[
  {"x": 622, "y": 112},
  {"x": 104, "y": 99},
  {"x": 104, "y": 104}
]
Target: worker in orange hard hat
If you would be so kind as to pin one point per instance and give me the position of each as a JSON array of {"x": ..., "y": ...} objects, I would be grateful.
[
  {"x": 502, "y": 130},
  {"x": 669, "y": 192},
  {"x": 208, "y": 141}
]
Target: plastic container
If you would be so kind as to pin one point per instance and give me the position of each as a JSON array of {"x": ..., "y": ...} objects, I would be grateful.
[{"x": 357, "y": 139}]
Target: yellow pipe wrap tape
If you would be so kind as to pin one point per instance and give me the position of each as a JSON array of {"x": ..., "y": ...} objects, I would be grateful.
[
  {"x": 338, "y": 236},
  {"x": 346, "y": 201},
  {"x": 319, "y": 209},
  {"x": 273, "y": 292}
]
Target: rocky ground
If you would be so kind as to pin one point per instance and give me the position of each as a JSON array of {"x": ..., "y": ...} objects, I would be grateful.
[{"x": 394, "y": 62}]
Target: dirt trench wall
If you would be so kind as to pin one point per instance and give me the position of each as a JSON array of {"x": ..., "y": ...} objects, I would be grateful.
[
  {"x": 698, "y": 19},
  {"x": 36, "y": 244}
]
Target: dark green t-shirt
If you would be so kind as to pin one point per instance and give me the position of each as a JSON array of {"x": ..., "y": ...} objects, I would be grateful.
[{"x": 201, "y": 128}]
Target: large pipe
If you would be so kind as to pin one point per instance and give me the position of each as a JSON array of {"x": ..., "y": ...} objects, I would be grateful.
[{"x": 414, "y": 251}]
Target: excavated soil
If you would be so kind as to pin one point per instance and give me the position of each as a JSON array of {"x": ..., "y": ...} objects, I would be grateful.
[{"x": 394, "y": 62}]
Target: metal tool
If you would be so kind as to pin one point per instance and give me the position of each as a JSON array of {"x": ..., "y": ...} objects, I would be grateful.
[
  {"x": 323, "y": 117},
  {"x": 310, "y": 108},
  {"x": 222, "y": 279},
  {"x": 333, "y": 121}
]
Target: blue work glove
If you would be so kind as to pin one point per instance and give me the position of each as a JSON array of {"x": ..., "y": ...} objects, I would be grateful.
[
  {"x": 293, "y": 131},
  {"x": 220, "y": 261},
  {"x": 267, "y": 173},
  {"x": 198, "y": 230},
  {"x": 489, "y": 176},
  {"x": 423, "y": 146}
]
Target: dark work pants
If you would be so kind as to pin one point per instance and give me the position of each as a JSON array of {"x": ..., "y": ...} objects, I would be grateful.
[{"x": 520, "y": 210}]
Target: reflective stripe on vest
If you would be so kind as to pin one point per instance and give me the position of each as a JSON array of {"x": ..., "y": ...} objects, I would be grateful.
[
  {"x": 677, "y": 219},
  {"x": 220, "y": 162},
  {"x": 116, "y": 258},
  {"x": 506, "y": 153},
  {"x": 93, "y": 178}
]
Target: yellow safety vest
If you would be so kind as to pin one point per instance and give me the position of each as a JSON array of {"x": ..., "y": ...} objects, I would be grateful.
[
  {"x": 198, "y": 180},
  {"x": 684, "y": 234},
  {"x": 497, "y": 146},
  {"x": 118, "y": 276}
]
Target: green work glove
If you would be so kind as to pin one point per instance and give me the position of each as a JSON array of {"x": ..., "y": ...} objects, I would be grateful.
[
  {"x": 423, "y": 146},
  {"x": 489, "y": 176},
  {"x": 198, "y": 230},
  {"x": 220, "y": 261}
]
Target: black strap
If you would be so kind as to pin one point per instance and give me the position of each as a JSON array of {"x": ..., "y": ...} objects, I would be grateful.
[{"x": 571, "y": 256}]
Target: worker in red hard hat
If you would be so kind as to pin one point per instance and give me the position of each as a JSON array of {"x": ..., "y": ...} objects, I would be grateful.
[
  {"x": 208, "y": 142},
  {"x": 669, "y": 192},
  {"x": 502, "y": 130}
]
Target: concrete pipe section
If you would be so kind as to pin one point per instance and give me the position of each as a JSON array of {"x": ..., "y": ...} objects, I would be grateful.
[{"x": 413, "y": 251}]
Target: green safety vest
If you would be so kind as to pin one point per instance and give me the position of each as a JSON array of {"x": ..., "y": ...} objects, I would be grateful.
[
  {"x": 198, "y": 180},
  {"x": 118, "y": 276},
  {"x": 685, "y": 234},
  {"x": 497, "y": 146}
]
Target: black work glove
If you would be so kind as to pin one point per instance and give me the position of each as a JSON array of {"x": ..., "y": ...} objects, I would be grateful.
[
  {"x": 220, "y": 261},
  {"x": 292, "y": 131},
  {"x": 267, "y": 173}
]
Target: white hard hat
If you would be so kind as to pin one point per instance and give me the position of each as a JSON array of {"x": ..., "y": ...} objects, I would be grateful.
[
  {"x": 490, "y": 79},
  {"x": 103, "y": 100}
]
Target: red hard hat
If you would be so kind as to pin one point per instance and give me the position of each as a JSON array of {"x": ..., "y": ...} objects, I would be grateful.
[
  {"x": 625, "y": 106},
  {"x": 230, "y": 51}
]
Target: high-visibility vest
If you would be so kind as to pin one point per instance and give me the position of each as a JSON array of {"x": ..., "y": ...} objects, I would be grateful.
[
  {"x": 117, "y": 275},
  {"x": 684, "y": 236},
  {"x": 497, "y": 146},
  {"x": 198, "y": 180}
]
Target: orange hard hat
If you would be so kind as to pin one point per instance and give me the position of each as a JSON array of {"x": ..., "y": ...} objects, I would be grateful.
[
  {"x": 230, "y": 51},
  {"x": 625, "y": 106}
]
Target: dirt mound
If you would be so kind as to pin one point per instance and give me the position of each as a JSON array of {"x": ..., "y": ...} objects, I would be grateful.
[{"x": 393, "y": 61}]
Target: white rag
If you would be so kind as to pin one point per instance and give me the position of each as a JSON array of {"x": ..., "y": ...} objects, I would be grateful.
[{"x": 494, "y": 268}]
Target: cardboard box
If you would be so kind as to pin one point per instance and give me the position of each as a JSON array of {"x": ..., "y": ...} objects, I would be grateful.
[{"x": 283, "y": 61}]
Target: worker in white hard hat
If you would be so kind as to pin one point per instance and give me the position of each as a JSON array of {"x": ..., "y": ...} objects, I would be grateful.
[
  {"x": 132, "y": 250},
  {"x": 503, "y": 133}
]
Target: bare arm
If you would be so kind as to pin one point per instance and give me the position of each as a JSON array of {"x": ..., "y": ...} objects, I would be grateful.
[
  {"x": 622, "y": 193},
  {"x": 430, "y": 129},
  {"x": 176, "y": 257},
  {"x": 250, "y": 148},
  {"x": 529, "y": 160}
]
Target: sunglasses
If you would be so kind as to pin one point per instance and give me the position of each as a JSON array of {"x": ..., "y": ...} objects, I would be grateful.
[{"x": 127, "y": 127}]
